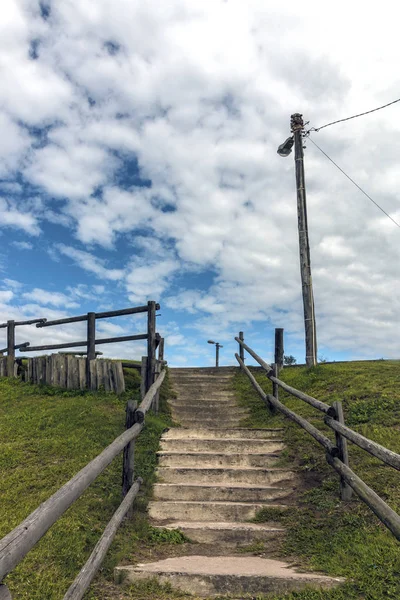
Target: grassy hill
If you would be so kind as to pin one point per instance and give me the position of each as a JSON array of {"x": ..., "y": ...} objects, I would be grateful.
[
  {"x": 342, "y": 539},
  {"x": 47, "y": 435}
]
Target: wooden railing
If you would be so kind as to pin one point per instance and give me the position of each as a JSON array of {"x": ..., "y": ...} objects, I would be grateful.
[
  {"x": 336, "y": 454},
  {"x": 153, "y": 338},
  {"x": 15, "y": 545}
]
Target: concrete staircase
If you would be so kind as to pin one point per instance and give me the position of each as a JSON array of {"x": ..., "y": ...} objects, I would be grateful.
[{"x": 213, "y": 478}]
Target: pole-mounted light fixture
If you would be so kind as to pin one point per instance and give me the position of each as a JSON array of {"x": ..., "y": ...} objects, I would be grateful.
[
  {"x": 217, "y": 347},
  {"x": 286, "y": 148},
  {"x": 296, "y": 140}
]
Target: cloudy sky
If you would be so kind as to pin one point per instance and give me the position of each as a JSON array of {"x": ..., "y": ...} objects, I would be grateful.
[{"x": 138, "y": 161}]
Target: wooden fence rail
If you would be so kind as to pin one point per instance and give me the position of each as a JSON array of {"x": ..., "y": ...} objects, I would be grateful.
[
  {"x": 152, "y": 337},
  {"x": 336, "y": 454},
  {"x": 15, "y": 545}
]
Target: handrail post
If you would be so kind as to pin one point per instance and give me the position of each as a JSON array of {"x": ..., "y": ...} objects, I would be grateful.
[
  {"x": 10, "y": 348},
  {"x": 161, "y": 349},
  {"x": 275, "y": 387},
  {"x": 151, "y": 344},
  {"x": 4, "y": 593},
  {"x": 91, "y": 344},
  {"x": 143, "y": 377},
  {"x": 279, "y": 351},
  {"x": 341, "y": 442},
  {"x": 128, "y": 468},
  {"x": 241, "y": 349}
]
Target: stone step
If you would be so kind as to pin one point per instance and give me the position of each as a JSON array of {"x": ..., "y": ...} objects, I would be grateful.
[
  {"x": 211, "y": 459},
  {"x": 212, "y": 370},
  {"x": 238, "y": 433},
  {"x": 219, "y": 493},
  {"x": 205, "y": 404},
  {"x": 207, "y": 401},
  {"x": 205, "y": 511},
  {"x": 214, "y": 576},
  {"x": 214, "y": 378},
  {"x": 250, "y": 476},
  {"x": 206, "y": 422},
  {"x": 200, "y": 412},
  {"x": 240, "y": 446},
  {"x": 215, "y": 532}
]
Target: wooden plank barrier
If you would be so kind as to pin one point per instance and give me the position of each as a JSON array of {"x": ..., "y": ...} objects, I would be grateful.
[{"x": 69, "y": 372}]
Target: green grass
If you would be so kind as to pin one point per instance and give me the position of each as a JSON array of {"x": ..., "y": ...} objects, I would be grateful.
[
  {"x": 46, "y": 436},
  {"x": 325, "y": 534}
]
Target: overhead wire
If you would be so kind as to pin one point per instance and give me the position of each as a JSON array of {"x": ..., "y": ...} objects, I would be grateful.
[
  {"x": 354, "y": 116},
  {"x": 352, "y": 181}
]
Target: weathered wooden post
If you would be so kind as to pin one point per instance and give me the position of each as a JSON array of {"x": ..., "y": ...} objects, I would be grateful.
[
  {"x": 279, "y": 351},
  {"x": 91, "y": 343},
  {"x": 4, "y": 593},
  {"x": 143, "y": 377},
  {"x": 151, "y": 343},
  {"x": 161, "y": 349},
  {"x": 341, "y": 443},
  {"x": 10, "y": 348},
  {"x": 241, "y": 349},
  {"x": 128, "y": 468},
  {"x": 156, "y": 403}
]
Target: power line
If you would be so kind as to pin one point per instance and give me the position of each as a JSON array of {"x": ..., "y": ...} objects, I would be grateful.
[
  {"x": 355, "y": 116},
  {"x": 356, "y": 184}
]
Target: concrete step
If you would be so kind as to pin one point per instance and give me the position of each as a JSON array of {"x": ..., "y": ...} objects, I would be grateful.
[
  {"x": 206, "y": 422},
  {"x": 238, "y": 433},
  {"x": 205, "y": 404},
  {"x": 211, "y": 459},
  {"x": 219, "y": 493},
  {"x": 202, "y": 377},
  {"x": 250, "y": 476},
  {"x": 206, "y": 370},
  {"x": 201, "y": 412},
  {"x": 204, "y": 511},
  {"x": 239, "y": 446},
  {"x": 215, "y": 532},
  {"x": 214, "y": 576},
  {"x": 223, "y": 398}
]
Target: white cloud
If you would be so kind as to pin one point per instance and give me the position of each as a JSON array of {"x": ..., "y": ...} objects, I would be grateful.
[
  {"x": 203, "y": 120},
  {"x": 52, "y": 298},
  {"x": 10, "y": 216},
  {"x": 13, "y": 284},
  {"x": 149, "y": 279},
  {"x": 22, "y": 245},
  {"x": 90, "y": 263}
]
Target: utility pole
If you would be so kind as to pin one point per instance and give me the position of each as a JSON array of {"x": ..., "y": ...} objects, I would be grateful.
[
  {"x": 217, "y": 347},
  {"x": 297, "y": 127}
]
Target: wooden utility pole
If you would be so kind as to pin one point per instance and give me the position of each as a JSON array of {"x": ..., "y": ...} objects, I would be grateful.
[{"x": 297, "y": 127}]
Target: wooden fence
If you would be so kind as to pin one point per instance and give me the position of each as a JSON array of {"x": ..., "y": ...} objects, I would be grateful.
[
  {"x": 69, "y": 372},
  {"x": 15, "y": 545},
  {"x": 336, "y": 454},
  {"x": 94, "y": 372}
]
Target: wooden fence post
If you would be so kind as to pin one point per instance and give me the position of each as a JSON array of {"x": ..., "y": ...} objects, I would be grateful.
[
  {"x": 241, "y": 349},
  {"x": 156, "y": 401},
  {"x": 151, "y": 344},
  {"x": 10, "y": 348},
  {"x": 4, "y": 593},
  {"x": 161, "y": 349},
  {"x": 143, "y": 376},
  {"x": 128, "y": 468},
  {"x": 341, "y": 443},
  {"x": 279, "y": 351},
  {"x": 91, "y": 345}
]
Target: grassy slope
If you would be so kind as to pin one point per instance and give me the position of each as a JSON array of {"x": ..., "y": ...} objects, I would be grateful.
[
  {"x": 336, "y": 538},
  {"x": 46, "y": 436}
]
